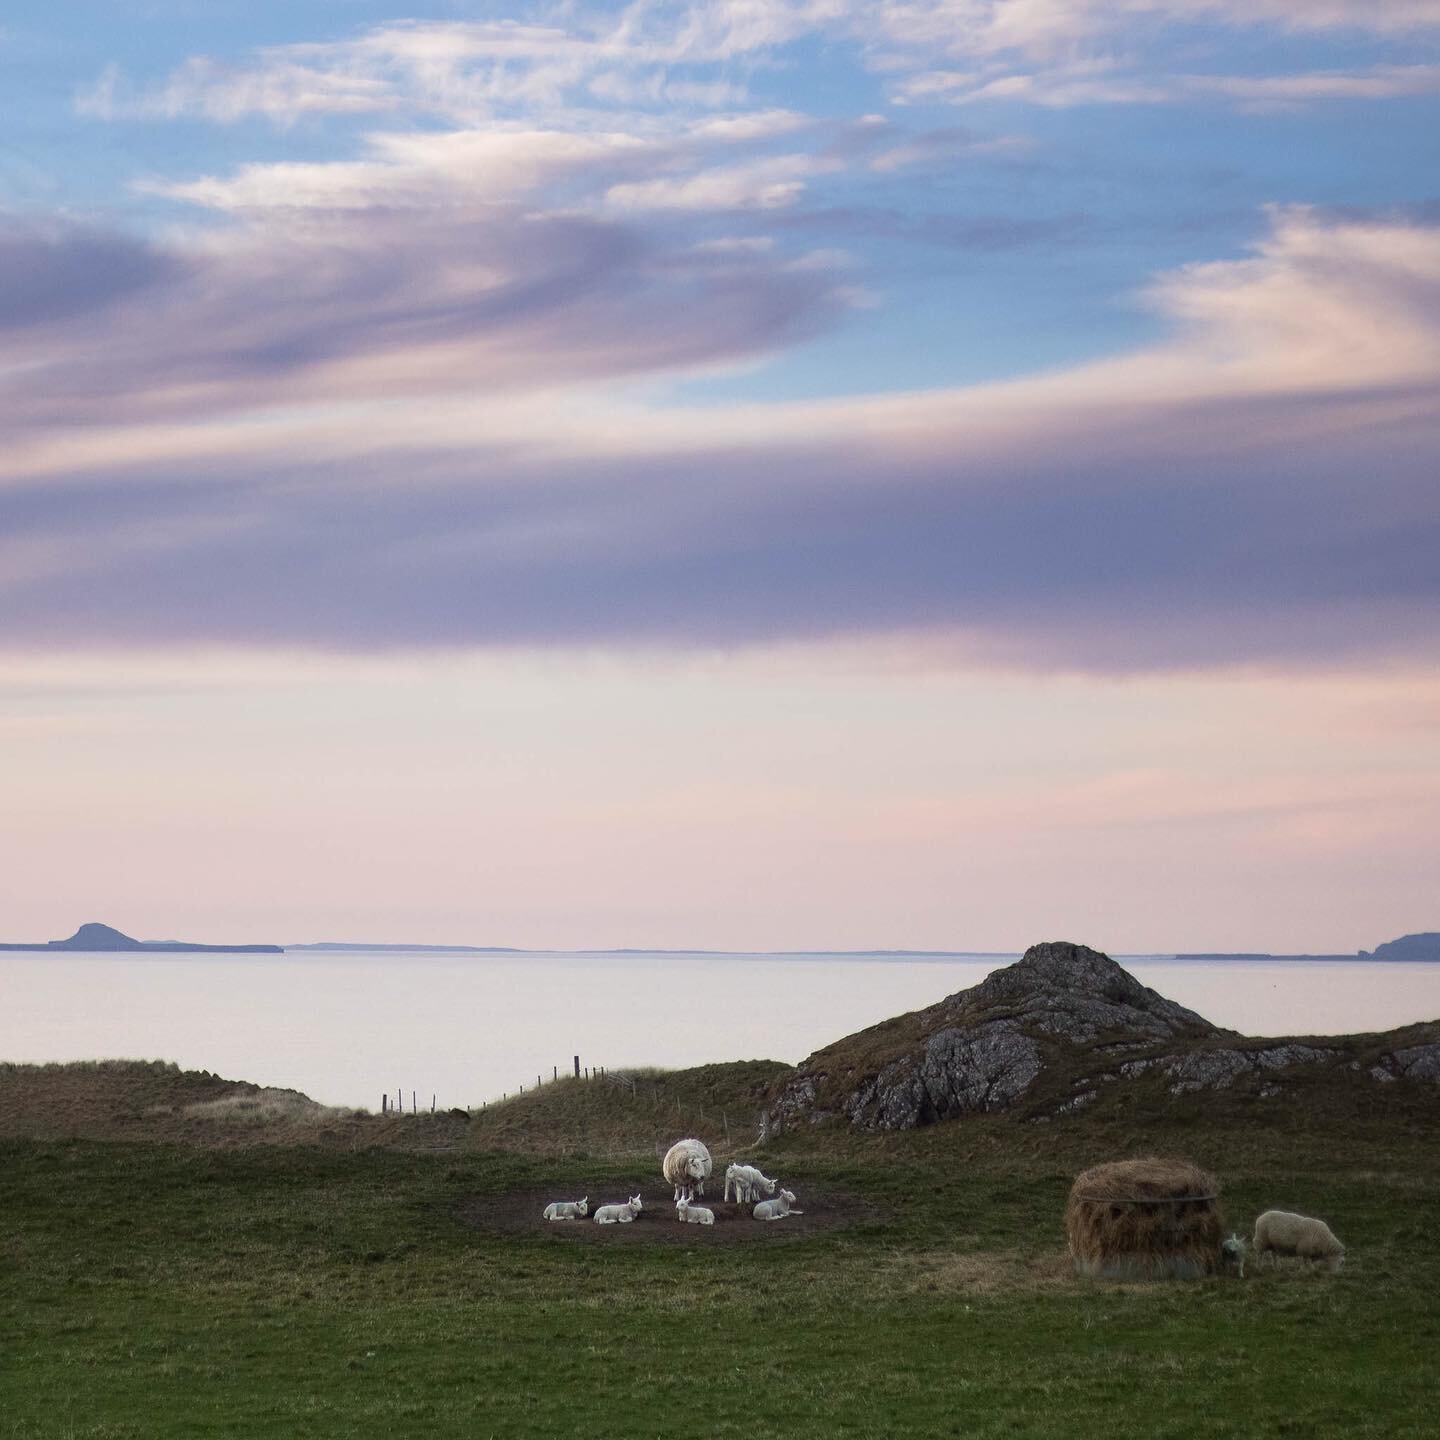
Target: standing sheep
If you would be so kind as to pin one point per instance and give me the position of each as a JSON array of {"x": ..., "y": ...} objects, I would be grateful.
[
  {"x": 690, "y": 1214},
  {"x": 748, "y": 1182},
  {"x": 778, "y": 1208},
  {"x": 1281, "y": 1233},
  {"x": 687, "y": 1166},
  {"x": 568, "y": 1209},
  {"x": 619, "y": 1214}
]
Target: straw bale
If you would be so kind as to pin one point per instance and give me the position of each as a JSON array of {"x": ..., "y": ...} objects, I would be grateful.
[{"x": 1145, "y": 1219}]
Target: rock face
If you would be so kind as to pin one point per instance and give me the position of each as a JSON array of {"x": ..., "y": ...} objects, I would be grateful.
[{"x": 1052, "y": 1032}]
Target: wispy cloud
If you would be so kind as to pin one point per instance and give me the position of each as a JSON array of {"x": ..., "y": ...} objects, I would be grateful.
[
  {"x": 1105, "y": 83},
  {"x": 1256, "y": 487}
]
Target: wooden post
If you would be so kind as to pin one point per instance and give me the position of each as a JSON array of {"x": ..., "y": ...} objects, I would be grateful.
[
  {"x": 384, "y": 1104},
  {"x": 577, "y": 1067},
  {"x": 413, "y": 1106},
  {"x": 537, "y": 1082},
  {"x": 555, "y": 1069},
  {"x": 432, "y": 1102}
]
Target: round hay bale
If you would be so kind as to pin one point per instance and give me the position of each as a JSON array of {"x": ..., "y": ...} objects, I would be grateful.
[{"x": 1146, "y": 1219}]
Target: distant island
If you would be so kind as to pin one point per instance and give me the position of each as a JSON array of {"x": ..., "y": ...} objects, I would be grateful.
[
  {"x": 106, "y": 938},
  {"x": 388, "y": 948},
  {"x": 1423, "y": 946}
]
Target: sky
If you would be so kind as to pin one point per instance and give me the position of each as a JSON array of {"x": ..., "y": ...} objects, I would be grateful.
[{"x": 758, "y": 474}]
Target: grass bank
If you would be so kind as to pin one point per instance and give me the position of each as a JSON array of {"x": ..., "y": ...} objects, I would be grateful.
[{"x": 159, "y": 1289}]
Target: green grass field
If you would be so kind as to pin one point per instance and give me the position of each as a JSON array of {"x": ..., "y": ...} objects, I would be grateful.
[{"x": 155, "y": 1290}]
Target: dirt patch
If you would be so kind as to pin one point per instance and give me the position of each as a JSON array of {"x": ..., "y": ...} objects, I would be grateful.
[{"x": 520, "y": 1212}]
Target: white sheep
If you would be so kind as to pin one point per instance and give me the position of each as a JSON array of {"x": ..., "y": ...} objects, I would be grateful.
[
  {"x": 778, "y": 1208},
  {"x": 748, "y": 1183},
  {"x": 619, "y": 1214},
  {"x": 568, "y": 1209},
  {"x": 687, "y": 1166},
  {"x": 690, "y": 1214},
  {"x": 1281, "y": 1233}
]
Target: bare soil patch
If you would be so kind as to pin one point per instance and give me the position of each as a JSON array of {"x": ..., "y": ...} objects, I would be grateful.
[{"x": 520, "y": 1212}]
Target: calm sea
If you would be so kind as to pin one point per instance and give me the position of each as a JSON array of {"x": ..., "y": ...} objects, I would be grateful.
[{"x": 346, "y": 1028}]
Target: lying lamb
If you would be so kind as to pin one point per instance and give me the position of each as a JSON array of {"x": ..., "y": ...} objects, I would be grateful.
[
  {"x": 1281, "y": 1233},
  {"x": 690, "y": 1214},
  {"x": 748, "y": 1183},
  {"x": 687, "y": 1166},
  {"x": 568, "y": 1209},
  {"x": 778, "y": 1208},
  {"x": 619, "y": 1214}
]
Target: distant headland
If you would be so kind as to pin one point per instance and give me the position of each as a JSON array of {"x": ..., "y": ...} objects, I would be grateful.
[
  {"x": 1421, "y": 946},
  {"x": 105, "y": 937}
]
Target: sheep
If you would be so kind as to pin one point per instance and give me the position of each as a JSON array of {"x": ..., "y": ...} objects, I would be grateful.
[
  {"x": 568, "y": 1209},
  {"x": 748, "y": 1183},
  {"x": 690, "y": 1214},
  {"x": 619, "y": 1214},
  {"x": 687, "y": 1166},
  {"x": 1232, "y": 1255},
  {"x": 778, "y": 1208},
  {"x": 1278, "y": 1232}
]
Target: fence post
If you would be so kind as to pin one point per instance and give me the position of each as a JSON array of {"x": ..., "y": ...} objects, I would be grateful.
[
  {"x": 577, "y": 1067},
  {"x": 413, "y": 1106},
  {"x": 432, "y": 1102},
  {"x": 554, "y": 1072},
  {"x": 385, "y": 1104}
]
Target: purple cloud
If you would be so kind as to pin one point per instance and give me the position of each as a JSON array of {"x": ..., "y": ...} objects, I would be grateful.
[{"x": 1259, "y": 488}]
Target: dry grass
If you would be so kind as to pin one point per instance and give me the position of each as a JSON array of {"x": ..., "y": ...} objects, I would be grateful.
[
  {"x": 1144, "y": 1219},
  {"x": 267, "y": 1106}
]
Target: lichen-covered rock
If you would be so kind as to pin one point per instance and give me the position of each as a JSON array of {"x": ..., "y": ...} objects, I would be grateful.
[
  {"x": 1218, "y": 1069},
  {"x": 988, "y": 1048},
  {"x": 982, "y": 1049},
  {"x": 1418, "y": 1062},
  {"x": 1080, "y": 995}
]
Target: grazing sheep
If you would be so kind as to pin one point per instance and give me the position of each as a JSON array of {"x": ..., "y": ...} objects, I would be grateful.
[
  {"x": 778, "y": 1208},
  {"x": 1232, "y": 1255},
  {"x": 619, "y": 1214},
  {"x": 748, "y": 1183},
  {"x": 568, "y": 1209},
  {"x": 690, "y": 1214},
  {"x": 1278, "y": 1232},
  {"x": 687, "y": 1166}
]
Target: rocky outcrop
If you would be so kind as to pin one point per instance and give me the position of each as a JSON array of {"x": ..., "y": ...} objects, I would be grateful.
[{"x": 1052, "y": 1032}]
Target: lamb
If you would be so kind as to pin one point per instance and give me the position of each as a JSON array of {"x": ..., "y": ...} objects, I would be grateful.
[
  {"x": 778, "y": 1208},
  {"x": 687, "y": 1166},
  {"x": 1281, "y": 1233},
  {"x": 619, "y": 1214},
  {"x": 690, "y": 1214},
  {"x": 748, "y": 1183},
  {"x": 1232, "y": 1255},
  {"x": 568, "y": 1209}
]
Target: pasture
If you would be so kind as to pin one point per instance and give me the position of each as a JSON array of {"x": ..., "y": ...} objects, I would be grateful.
[{"x": 153, "y": 1289}]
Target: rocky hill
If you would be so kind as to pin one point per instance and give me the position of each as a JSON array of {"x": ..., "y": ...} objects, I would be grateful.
[{"x": 1050, "y": 1034}]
